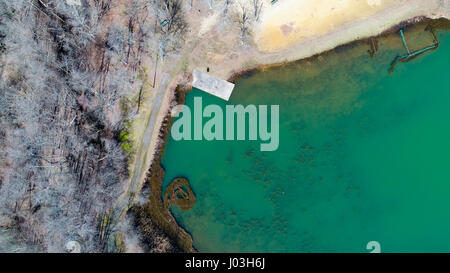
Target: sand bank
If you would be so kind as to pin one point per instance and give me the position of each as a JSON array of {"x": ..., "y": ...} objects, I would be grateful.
[
  {"x": 292, "y": 21},
  {"x": 296, "y": 29}
]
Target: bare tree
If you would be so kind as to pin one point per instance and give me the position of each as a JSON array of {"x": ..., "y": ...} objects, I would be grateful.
[
  {"x": 243, "y": 21},
  {"x": 172, "y": 24},
  {"x": 257, "y": 7},
  {"x": 174, "y": 15},
  {"x": 211, "y": 3},
  {"x": 227, "y": 5}
]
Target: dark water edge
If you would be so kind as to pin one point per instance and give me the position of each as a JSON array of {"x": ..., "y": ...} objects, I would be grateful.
[
  {"x": 155, "y": 207},
  {"x": 442, "y": 23}
]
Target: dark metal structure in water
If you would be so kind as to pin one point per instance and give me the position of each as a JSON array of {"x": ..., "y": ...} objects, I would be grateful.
[{"x": 412, "y": 55}]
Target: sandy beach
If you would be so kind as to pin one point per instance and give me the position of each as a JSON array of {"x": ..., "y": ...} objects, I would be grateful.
[
  {"x": 291, "y": 30},
  {"x": 290, "y": 22}
]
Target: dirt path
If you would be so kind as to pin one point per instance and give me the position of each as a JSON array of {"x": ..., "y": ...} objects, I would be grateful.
[{"x": 144, "y": 154}]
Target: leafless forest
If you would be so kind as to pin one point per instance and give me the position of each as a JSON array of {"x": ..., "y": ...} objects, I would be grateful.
[{"x": 66, "y": 69}]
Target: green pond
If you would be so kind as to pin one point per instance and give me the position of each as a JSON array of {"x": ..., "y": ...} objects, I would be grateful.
[{"x": 363, "y": 156}]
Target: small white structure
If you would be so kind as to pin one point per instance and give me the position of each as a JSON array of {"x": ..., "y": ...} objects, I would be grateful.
[
  {"x": 73, "y": 2},
  {"x": 212, "y": 85},
  {"x": 73, "y": 247}
]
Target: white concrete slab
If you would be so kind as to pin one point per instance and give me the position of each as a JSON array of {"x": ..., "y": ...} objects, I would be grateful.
[
  {"x": 214, "y": 86},
  {"x": 73, "y": 2}
]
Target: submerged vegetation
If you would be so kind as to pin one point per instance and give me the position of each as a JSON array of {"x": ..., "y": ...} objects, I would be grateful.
[
  {"x": 179, "y": 193},
  {"x": 157, "y": 211}
]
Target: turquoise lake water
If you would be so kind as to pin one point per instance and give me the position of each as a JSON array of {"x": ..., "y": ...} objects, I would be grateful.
[{"x": 363, "y": 156}]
